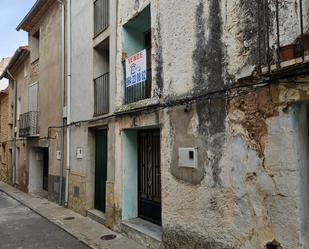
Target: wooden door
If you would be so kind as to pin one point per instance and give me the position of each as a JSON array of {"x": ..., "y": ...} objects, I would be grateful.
[{"x": 100, "y": 169}]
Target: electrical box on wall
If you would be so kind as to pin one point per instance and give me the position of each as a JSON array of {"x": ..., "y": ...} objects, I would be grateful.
[
  {"x": 58, "y": 154},
  {"x": 79, "y": 153},
  {"x": 187, "y": 158}
]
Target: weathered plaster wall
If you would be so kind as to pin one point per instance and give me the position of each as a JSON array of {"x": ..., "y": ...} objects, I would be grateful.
[
  {"x": 259, "y": 178},
  {"x": 47, "y": 69},
  {"x": 22, "y": 76},
  {"x": 22, "y": 172},
  {"x": 246, "y": 190},
  {"x": 241, "y": 26},
  {"x": 49, "y": 99},
  {"x": 91, "y": 57},
  {"x": 22, "y": 84},
  {"x": 82, "y": 60}
]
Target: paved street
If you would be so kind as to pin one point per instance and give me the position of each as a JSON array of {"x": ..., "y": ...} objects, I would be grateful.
[{"x": 21, "y": 228}]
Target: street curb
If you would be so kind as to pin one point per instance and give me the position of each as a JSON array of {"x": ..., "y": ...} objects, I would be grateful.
[{"x": 54, "y": 222}]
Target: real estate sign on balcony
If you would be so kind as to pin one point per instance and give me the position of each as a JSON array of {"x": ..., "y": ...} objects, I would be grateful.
[{"x": 136, "y": 68}]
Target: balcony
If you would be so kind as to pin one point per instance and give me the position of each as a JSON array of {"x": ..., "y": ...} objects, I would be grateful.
[
  {"x": 282, "y": 30},
  {"x": 28, "y": 124},
  {"x": 101, "y": 16},
  {"x": 101, "y": 95},
  {"x": 139, "y": 91}
]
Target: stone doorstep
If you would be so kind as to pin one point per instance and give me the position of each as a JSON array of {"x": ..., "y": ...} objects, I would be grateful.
[
  {"x": 143, "y": 232},
  {"x": 96, "y": 215},
  {"x": 89, "y": 232}
]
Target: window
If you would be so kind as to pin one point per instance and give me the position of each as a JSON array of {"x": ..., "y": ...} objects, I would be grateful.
[
  {"x": 137, "y": 37},
  {"x": 101, "y": 16},
  {"x": 35, "y": 46},
  {"x": 33, "y": 97}
]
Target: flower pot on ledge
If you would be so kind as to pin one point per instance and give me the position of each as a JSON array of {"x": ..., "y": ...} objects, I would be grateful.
[
  {"x": 306, "y": 43},
  {"x": 287, "y": 52}
]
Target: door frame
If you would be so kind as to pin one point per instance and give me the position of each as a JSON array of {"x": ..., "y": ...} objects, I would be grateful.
[{"x": 146, "y": 201}]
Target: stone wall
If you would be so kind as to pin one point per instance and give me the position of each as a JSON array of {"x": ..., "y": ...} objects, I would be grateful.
[
  {"x": 4, "y": 119},
  {"x": 4, "y": 137},
  {"x": 77, "y": 190}
]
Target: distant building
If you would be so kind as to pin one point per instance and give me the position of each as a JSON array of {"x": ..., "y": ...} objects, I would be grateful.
[
  {"x": 3, "y": 63},
  {"x": 5, "y": 171}
]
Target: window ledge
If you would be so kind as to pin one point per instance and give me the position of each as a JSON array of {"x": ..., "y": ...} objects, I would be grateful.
[
  {"x": 101, "y": 36},
  {"x": 137, "y": 105}
]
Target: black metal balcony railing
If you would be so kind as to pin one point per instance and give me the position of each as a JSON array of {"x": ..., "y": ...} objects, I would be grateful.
[
  {"x": 271, "y": 27},
  {"x": 28, "y": 124},
  {"x": 101, "y": 95},
  {"x": 101, "y": 16},
  {"x": 139, "y": 91}
]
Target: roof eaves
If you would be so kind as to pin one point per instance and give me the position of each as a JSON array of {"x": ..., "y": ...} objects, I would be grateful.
[
  {"x": 32, "y": 16},
  {"x": 20, "y": 54}
]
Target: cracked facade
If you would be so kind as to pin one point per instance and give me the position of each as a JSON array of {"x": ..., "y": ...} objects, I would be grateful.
[{"x": 220, "y": 89}]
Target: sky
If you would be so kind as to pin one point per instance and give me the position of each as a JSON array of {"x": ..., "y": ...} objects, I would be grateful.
[{"x": 11, "y": 14}]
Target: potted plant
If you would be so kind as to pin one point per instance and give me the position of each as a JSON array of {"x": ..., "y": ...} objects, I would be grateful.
[{"x": 287, "y": 52}]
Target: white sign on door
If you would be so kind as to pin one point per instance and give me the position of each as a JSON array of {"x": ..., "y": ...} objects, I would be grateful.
[{"x": 136, "y": 68}]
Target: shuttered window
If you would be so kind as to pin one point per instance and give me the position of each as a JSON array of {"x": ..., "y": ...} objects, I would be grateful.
[{"x": 33, "y": 97}]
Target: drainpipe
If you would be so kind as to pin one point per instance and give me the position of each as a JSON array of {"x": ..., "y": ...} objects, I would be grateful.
[
  {"x": 13, "y": 131},
  {"x": 62, "y": 97},
  {"x": 68, "y": 158}
]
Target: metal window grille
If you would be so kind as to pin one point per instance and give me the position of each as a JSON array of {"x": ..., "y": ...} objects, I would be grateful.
[
  {"x": 101, "y": 16},
  {"x": 28, "y": 124},
  {"x": 142, "y": 90},
  {"x": 101, "y": 95},
  {"x": 269, "y": 30}
]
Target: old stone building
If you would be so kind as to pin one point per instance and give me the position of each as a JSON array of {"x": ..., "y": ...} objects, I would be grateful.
[
  {"x": 41, "y": 123},
  {"x": 15, "y": 147},
  {"x": 201, "y": 152},
  {"x": 91, "y": 106},
  {"x": 181, "y": 125},
  {"x": 37, "y": 99},
  {"x": 3, "y": 64},
  {"x": 4, "y": 136},
  {"x": 222, "y": 124}
]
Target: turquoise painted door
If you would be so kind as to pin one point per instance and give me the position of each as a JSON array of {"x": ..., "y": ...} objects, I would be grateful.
[{"x": 100, "y": 169}]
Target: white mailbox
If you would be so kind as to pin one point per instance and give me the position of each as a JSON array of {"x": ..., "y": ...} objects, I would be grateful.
[{"x": 187, "y": 158}]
